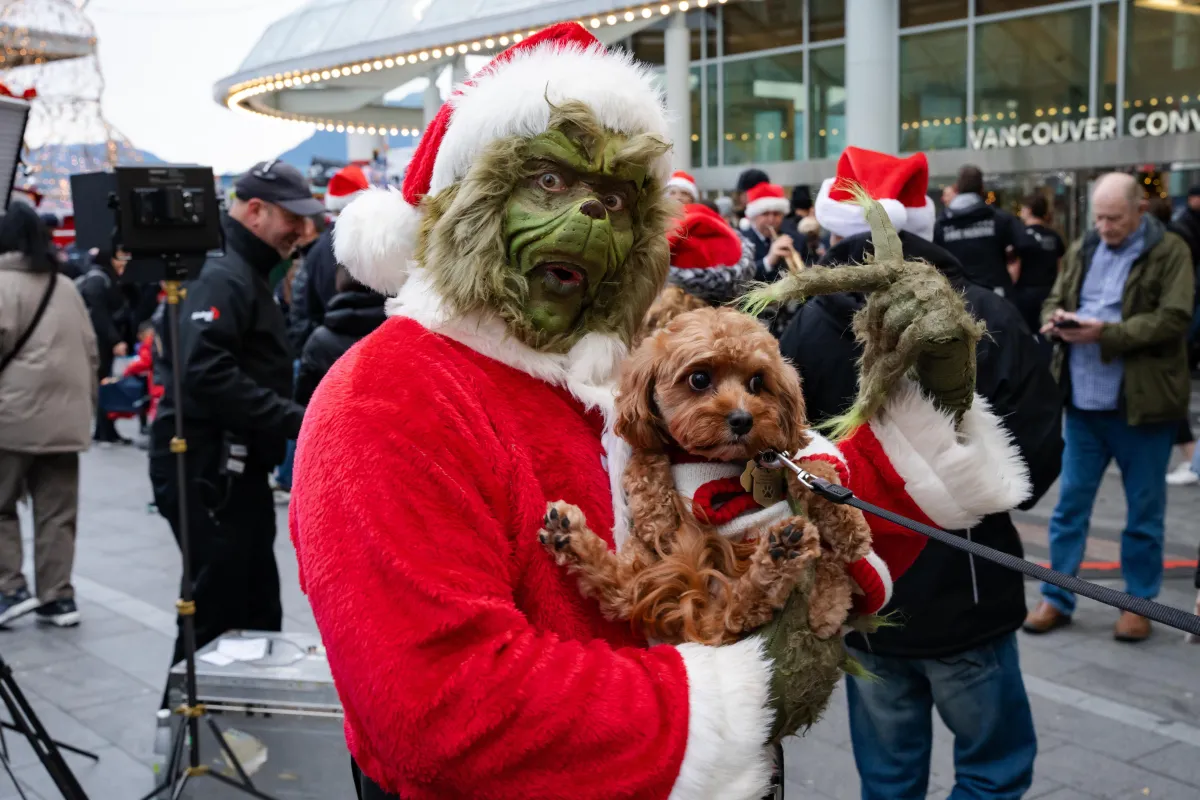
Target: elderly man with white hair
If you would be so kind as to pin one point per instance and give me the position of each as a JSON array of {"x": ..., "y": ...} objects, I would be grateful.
[{"x": 1119, "y": 312}]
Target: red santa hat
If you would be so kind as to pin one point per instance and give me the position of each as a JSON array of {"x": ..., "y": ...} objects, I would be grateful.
[
  {"x": 682, "y": 180},
  {"x": 708, "y": 258},
  {"x": 766, "y": 197},
  {"x": 344, "y": 186},
  {"x": 899, "y": 184},
  {"x": 376, "y": 236}
]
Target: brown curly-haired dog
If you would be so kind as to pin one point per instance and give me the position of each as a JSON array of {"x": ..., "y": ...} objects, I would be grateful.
[
  {"x": 670, "y": 303},
  {"x": 710, "y": 387}
]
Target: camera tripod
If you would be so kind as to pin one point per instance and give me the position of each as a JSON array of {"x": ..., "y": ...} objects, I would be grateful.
[
  {"x": 183, "y": 763},
  {"x": 26, "y": 723}
]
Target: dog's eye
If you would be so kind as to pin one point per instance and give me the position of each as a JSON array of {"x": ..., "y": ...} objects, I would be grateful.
[
  {"x": 755, "y": 384},
  {"x": 700, "y": 380}
]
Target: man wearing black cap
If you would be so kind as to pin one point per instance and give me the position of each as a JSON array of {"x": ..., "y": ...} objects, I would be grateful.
[{"x": 238, "y": 414}]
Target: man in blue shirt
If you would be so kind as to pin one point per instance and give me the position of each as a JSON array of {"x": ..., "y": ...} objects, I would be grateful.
[{"x": 1119, "y": 311}]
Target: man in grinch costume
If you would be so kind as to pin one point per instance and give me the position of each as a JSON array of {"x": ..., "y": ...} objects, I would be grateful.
[{"x": 527, "y": 244}]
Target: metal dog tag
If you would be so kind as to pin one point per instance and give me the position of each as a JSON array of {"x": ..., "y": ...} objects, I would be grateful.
[{"x": 768, "y": 486}]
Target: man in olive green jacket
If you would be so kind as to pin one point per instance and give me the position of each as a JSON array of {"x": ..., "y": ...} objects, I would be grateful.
[{"x": 1119, "y": 310}]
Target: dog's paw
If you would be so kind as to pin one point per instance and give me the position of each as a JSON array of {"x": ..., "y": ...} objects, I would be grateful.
[
  {"x": 561, "y": 522},
  {"x": 792, "y": 540}
]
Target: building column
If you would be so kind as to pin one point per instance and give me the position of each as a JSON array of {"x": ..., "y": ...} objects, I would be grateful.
[
  {"x": 433, "y": 98},
  {"x": 458, "y": 70},
  {"x": 362, "y": 146},
  {"x": 676, "y": 58},
  {"x": 872, "y": 82}
]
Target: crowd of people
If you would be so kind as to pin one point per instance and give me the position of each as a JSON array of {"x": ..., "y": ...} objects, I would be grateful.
[{"x": 1088, "y": 358}]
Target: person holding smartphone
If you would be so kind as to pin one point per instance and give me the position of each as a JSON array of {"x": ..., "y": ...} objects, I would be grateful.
[{"x": 1118, "y": 314}]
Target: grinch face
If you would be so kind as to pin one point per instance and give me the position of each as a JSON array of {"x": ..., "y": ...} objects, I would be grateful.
[
  {"x": 560, "y": 234},
  {"x": 568, "y": 227}
]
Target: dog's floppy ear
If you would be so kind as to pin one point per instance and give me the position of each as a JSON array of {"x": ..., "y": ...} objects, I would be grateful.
[
  {"x": 637, "y": 420},
  {"x": 791, "y": 407}
]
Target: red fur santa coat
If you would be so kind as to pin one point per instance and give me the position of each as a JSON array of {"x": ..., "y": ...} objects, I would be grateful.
[{"x": 468, "y": 663}]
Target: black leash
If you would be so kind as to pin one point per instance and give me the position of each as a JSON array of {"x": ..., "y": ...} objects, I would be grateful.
[{"x": 1172, "y": 617}]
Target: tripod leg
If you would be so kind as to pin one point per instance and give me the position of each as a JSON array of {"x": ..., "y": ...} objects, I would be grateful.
[
  {"x": 60, "y": 745},
  {"x": 179, "y": 787},
  {"x": 233, "y": 759},
  {"x": 16, "y": 783},
  {"x": 250, "y": 790}
]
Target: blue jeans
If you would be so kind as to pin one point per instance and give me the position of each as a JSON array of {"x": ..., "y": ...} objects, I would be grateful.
[
  {"x": 1092, "y": 439},
  {"x": 979, "y": 694}
]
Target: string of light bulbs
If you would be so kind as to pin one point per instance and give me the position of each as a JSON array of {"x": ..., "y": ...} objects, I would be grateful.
[{"x": 247, "y": 96}]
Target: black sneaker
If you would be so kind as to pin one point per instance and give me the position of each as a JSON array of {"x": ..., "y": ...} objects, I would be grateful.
[
  {"x": 61, "y": 613},
  {"x": 15, "y": 605}
]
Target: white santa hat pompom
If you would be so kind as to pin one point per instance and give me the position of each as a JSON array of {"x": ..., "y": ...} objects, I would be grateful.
[{"x": 375, "y": 239}]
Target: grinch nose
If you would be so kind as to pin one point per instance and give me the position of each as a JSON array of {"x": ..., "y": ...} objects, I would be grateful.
[{"x": 594, "y": 209}]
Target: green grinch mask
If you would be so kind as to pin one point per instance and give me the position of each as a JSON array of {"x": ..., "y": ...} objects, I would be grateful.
[
  {"x": 569, "y": 226},
  {"x": 560, "y": 234}
]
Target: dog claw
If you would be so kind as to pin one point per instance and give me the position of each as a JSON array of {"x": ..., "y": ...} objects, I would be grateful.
[
  {"x": 552, "y": 513},
  {"x": 561, "y": 542},
  {"x": 566, "y": 522}
]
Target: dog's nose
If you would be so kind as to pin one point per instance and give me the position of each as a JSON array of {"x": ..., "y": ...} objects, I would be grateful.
[
  {"x": 740, "y": 422},
  {"x": 593, "y": 209}
]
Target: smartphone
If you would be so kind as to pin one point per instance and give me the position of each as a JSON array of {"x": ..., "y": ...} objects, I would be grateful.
[{"x": 1067, "y": 323}]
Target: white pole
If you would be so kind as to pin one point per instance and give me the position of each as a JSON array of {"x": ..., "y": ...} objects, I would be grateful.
[{"x": 676, "y": 56}]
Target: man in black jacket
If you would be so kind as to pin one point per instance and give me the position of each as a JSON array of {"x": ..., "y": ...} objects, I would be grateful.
[
  {"x": 982, "y": 237},
  {"x": 237, "y": 407},
  {"x": 954, "y": 645},
  {"x": 102, "y": 294}
]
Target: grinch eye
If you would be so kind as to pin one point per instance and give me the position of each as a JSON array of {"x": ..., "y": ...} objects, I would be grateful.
[
  {"x": 755, "y": 384},
  {"x": 699, "y": 380},
  {"x": 551, "y": 182},
  {"x": 614, "y": 202}
]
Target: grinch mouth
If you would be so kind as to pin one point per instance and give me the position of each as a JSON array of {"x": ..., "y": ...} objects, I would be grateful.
[{"x": 561, "y": 278}]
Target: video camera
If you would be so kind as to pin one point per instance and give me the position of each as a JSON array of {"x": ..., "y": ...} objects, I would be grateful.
[{"x": 166, "y": 218}]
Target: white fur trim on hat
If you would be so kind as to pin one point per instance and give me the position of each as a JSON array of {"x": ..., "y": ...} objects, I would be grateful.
[
  {"x": 764, "y": 204},
  {"x": 512, "y": 100},
  {"x": 338, "y": 202},
  {"x": 375, "y": 239},
  {"x": 685, "y": 184},
  {"x": 847, "y": 219}
]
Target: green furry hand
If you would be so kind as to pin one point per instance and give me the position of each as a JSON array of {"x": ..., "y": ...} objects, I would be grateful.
[
  {"x": 946, "y": 371},
  {"x": 806, "y": 668},
  {"x": 914, "y": 323}
]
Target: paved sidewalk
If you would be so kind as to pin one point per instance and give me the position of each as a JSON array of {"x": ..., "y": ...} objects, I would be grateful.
[{"x": 1114, "y": 721}]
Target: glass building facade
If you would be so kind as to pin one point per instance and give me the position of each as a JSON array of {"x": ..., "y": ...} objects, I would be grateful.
[{"x": 768, "y": 78}]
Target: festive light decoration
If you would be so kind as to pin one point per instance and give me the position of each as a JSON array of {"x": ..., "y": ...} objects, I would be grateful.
[
  {"x": 48, "y": 56},
  {"x": 250, "y": 96}
]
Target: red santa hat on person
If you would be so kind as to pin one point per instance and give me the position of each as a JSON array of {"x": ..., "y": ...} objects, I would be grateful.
[
  {"x": 376, "y": 236},
  {"x": 766, "y": 197},
  {"x": 344, "y": 186},
  {"x": 682, "y": 180},
  {"x": 708, "y": 258},
  {"x": 899, "y": 184}
]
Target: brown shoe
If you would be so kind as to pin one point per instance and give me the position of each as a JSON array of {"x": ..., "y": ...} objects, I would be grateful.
[
  {"x": 1131, "y": 628},
  {"x": 1045, "y": 618}
]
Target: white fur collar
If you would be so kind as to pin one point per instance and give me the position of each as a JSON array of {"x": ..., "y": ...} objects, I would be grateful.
[{"x": 588, "y": 371}]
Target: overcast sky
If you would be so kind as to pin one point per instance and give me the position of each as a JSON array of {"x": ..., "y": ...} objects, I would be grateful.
[{"x": 160, "y": 60}]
